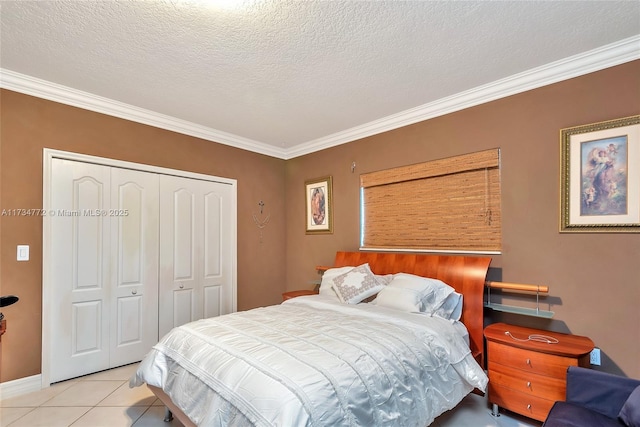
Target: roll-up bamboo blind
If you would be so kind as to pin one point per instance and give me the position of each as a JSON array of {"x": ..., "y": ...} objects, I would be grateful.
[{"x": 447, "y": 204}]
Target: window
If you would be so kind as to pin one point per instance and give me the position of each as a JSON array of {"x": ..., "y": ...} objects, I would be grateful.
[{"x": 444, "y": 205}]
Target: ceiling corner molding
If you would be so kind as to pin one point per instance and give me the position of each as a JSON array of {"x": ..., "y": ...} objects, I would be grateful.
[
  {"x": 623, "y": 51},
  {"x": 28, "y": 85},
  {"x": 617, "y": 53}
]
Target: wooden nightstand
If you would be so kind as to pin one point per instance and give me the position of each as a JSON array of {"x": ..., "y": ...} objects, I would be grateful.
[
  {"x": 528, "y": 376},
  {"x": 293, "y": 294}
]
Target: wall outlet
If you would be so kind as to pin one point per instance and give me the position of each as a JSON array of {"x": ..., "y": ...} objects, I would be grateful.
[
  {"x": 594, "y": 357},
  {"x": 23, "y": 253}
]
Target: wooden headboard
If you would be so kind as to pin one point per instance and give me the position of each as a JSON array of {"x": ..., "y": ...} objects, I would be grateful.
[{"x": 465, "y": 274}]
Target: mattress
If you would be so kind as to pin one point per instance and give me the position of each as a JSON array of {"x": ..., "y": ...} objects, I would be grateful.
[{"x": 313, "y": 361}]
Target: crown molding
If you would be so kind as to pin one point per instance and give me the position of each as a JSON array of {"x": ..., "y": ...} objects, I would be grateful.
[
  {"x": 617, "y": 53},
  {"x": 65, "y": 95}
]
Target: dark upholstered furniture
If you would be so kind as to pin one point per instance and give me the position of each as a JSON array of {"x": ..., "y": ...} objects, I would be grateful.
[{"x": 595, "y": 398}]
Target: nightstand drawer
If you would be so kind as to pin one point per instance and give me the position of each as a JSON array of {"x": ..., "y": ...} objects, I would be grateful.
[
  {"x": 530, "y": 361},
  {"x": 521, "y": 403},
  {"x": 526, "y": 382}
]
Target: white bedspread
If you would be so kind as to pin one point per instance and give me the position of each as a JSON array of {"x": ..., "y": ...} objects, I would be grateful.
[{"x": 312, "y": 361}]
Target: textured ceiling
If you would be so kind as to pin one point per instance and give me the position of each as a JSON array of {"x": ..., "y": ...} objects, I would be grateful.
[{"x": 285, "y": 73}]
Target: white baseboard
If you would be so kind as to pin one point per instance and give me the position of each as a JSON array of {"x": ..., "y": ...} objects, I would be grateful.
[{"x": 20, "y": 386}]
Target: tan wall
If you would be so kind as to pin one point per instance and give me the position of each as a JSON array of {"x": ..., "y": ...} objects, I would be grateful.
[
  {"x": 594, "y": 282},
  {"x": 29, "y": 124},
  {"x": 594, "y": 278}
]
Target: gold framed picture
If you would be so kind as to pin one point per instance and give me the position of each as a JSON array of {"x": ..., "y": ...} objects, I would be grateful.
[
  {"x": 600, "y": 177},
  {"x": 319, "y": 206}
]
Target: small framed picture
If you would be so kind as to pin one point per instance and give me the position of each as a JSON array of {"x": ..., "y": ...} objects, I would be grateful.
[
  {"x": 600, "y": 177},
  {"x": 319, "y": 206}
]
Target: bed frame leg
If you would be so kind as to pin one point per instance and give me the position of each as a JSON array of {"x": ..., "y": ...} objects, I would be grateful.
[
  {"x": 495, "y": 411},
  {"x": 168, "y": 416}
]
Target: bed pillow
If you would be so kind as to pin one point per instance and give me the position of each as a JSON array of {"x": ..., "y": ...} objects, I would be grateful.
[
  {"x": 356, "y": 285},
  {"x": 384, "y": 279},
  {"x": 409, "y": 292},
  {"x": 326, "y": 284},
  {"x": 398, "y": 299},
  {"x": 451, "y": 308}
]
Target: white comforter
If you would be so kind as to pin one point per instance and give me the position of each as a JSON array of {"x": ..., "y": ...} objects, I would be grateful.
[{"x": 312, "y": 361}]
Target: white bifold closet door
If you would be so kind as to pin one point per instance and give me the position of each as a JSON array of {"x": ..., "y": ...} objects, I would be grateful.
[
  {"x": 104, "y": 266},
  {"x": 195, "y": 251},
  {"x": 133, "y": 254}
]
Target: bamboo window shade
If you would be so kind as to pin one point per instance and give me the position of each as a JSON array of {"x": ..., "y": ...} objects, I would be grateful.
[{"x": 450, "y": 204}]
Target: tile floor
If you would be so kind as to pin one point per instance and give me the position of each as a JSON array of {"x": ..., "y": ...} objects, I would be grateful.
[
  {"x": 475, "y": 411},
  {"x": 101, "y": 399},
  {"x": 105, "y": 399}
]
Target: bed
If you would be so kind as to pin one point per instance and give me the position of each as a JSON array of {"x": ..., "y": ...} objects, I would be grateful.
[{"x": 333, "y": 359}]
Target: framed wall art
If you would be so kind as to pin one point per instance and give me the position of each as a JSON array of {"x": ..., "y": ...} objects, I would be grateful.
[
  {"x": 600, "y": 177},
  {"x": 319, "y": 206}
]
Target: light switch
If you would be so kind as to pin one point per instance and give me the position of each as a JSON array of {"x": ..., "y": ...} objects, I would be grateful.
[{"x": 23, "y": 252}]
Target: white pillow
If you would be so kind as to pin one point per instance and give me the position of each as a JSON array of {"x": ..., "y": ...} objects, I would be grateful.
[
  {"x": 398, "y": 299},
  {"x": 384, "y": 279},
  {"x": 326, "y": 284},
  {"x": 356, "y": 285},
  {"x": 409, "y": 292},
  {"x": 451, "y": 308}
]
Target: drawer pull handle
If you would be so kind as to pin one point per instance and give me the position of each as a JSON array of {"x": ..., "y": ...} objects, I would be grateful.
[
  {"x": 529, "y": 362},
  {"x": 528, "y": 384},
  {"x": 181, "y": 286},
  {"x": 133, "y": 292},
  {"x": 529, "y": 407}
]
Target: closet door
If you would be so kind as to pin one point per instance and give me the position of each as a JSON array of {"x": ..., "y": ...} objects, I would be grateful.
[
  {"x": 134, "y": 264},
  {"x": 217, "y": 250},
  {"x": 195, "y": 251},
  {"x": 105, "y": 267},
  {"x": 81, "y": 302}
]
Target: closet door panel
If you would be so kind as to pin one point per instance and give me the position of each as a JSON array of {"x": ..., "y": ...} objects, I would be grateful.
[
  {"x": 130, "y": 324},
  {"x": 212, "y": 253},
  {"x": 87, "y": 231},
  {"x": 196, "y": 250},
  {"x": 130, "y": 236},
  {"x": 180, "y": 230},
  {"x": 212, "y": 304},
  {"x": 86, "y": 327},
  {"x": 80, "y": 270},
  {"x": 212, "y": 234},
  {"x": 134, "y": 216},
  {"x": 183, "y": 306},
  {"x": 217, "y": 265}
]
